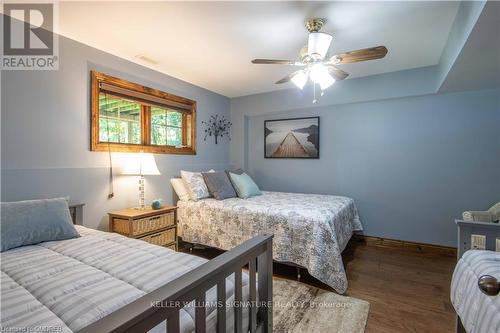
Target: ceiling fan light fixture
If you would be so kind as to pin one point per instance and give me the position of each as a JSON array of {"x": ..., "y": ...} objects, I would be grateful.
[
  {"x": 326, "y": 82},
  {"x": 300, "y": 79},
  {"x": 318, "y": 44},
  {"x": 320, "y": 75}
]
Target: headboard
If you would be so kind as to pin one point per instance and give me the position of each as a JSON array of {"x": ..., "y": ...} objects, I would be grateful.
[
  {"x": 175, "y": 197},
  {"x": 76, "y": 211},
  {"x": 490, "y": 230}
]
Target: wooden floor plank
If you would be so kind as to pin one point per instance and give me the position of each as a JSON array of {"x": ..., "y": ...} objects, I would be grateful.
[{"x": 407, "y": 291}]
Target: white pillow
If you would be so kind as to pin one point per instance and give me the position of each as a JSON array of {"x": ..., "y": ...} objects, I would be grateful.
[
  {"x": 195, "y": 184},
  {"x": 180, "y": 188}
]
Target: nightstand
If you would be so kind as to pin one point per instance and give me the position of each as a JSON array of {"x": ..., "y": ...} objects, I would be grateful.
[{"x": 155, "y": 226}]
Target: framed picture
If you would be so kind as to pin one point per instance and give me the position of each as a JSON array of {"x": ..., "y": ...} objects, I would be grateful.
[{"x": 291, "y": 138}]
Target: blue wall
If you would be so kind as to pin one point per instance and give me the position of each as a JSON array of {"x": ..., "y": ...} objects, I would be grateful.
[
  {"x": 412, "y": 164},
  {"x": 45, "y": 134},
  {"x": 412, "y": 159}
]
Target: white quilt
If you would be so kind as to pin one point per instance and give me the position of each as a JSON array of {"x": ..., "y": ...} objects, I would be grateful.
[
  {"x": 479, "y": 313},
  {"x": 66, "y": 285}
]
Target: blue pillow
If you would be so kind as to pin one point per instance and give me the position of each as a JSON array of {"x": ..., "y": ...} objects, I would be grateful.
[
  {"x": 244, "y": 185},
  {"x": 35, "y": 221}
]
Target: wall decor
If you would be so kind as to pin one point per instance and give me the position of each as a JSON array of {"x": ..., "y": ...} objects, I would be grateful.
[
  {"x": 217, "y": 127},
  {"x": 291, "y": 138}
]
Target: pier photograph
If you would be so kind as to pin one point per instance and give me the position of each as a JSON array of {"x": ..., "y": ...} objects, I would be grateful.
[{"x": 292, "y": 138}]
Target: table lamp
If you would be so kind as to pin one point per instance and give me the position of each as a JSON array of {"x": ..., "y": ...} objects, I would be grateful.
[{"x": 143, "y": 165}]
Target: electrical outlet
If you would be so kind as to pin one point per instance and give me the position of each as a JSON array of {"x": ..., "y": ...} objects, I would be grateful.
[
  {"x": 498, "y": 245},
  {"x": 478, "y": 242}
]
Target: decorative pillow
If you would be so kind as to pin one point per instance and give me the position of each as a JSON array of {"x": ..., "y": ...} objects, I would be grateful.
[
  {"x": 195, "y": 184},
  {"x": 237, "y": 171},
  {"x": 35, "y": 221},
  {"x": 180, "y": 188},
  {"x": 244, "y": 185},
  {"x": 495, "y": 211},
  {"x": 219, "y": 185}
]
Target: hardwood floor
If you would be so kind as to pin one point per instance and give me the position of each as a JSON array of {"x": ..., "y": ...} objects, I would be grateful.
[{"x": 408, "y": 290}]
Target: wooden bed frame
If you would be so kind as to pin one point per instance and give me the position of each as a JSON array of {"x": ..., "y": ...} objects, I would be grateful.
[
  {"x": 149, "y": 310},
  {"x": 465, "y": 230}
]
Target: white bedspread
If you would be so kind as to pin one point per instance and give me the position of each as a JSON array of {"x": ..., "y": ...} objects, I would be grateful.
[
  {"x": 67, "y": 285},
  {"x": 479, "y": 313},
  {"x": 310, "y": 230}
]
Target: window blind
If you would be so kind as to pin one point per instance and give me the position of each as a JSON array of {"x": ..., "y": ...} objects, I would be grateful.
[{"x": 144, "y": 97}]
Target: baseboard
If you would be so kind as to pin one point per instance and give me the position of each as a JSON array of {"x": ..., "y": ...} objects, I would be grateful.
[
  {"x": 370, "y": 241},
  {"x": 406, "y": 245}
]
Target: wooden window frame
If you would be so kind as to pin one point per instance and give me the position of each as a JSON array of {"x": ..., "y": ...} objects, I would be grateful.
[{"x": 158, "y": 98}]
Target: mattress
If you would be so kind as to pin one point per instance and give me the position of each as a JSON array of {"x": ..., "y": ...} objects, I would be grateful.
[
  {"x": 66, "y": 285},
  {"x": 478, "y": 312},
  {"x": 310, "y": 230}
]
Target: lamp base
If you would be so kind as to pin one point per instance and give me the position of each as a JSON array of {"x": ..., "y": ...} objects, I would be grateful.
[{"x": 141, "y": 193}]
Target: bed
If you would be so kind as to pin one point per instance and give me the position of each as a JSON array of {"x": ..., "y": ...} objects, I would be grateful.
[
  {"x": 477, "y": 312},
  {"x": 103, "y": 282},
  {"x": 310, "y": 230}
]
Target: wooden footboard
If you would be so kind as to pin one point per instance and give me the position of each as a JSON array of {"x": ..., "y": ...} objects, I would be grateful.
[{"x": 142, "y": 314}]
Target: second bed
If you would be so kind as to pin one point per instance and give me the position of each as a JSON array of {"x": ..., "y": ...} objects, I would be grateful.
[{"x": 310, "y": 230}]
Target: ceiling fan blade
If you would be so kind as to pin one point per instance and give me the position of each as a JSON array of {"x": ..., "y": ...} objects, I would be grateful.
[
  {"x": 359, "y": 55},
  {"x": 277, "y": 62},
  {"x": 285, "y": 79},
  {"x": 337, "y": 73}
]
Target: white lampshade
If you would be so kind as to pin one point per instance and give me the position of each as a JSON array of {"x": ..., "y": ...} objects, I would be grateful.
[
  {"x": 141, "y": 165},
  {"x": 300, "y": 79},
  {"x": 318, "y": 44},
  {"x": 320, "y": 75}
]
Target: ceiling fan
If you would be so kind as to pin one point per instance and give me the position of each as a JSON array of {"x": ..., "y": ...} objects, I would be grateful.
[{"x": 322, "y": 70}]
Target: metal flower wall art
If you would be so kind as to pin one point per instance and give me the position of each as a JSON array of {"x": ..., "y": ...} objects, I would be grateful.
[{"x": 217, "y": 127}]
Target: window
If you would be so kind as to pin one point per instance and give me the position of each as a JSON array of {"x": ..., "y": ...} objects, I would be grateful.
[
  {"x": 119, "y": 120},
  {"x": 166, "y": 127},
  {"x": 128, "y": 117}
]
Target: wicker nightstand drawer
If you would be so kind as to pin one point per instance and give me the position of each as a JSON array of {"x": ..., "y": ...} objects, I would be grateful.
[
  {"x": 144, "y": 225},
  {"x": 153, "y": 226},
  {"x": 161, "y": 238}
]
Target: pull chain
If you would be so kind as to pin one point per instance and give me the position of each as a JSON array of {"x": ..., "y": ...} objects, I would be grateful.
[{"x": 111, "y": 192}]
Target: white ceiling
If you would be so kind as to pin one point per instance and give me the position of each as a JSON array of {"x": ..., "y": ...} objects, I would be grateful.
[{"x": 211, "y": 44}]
